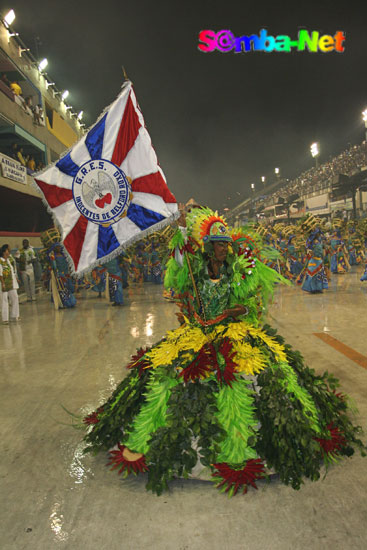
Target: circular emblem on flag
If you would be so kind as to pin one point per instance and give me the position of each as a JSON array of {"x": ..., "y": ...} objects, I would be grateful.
[{"x": 101, "y": 192}]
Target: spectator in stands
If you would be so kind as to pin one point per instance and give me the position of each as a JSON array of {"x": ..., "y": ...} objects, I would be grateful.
[
  {"x": 14, "y": 151},
  {"x": 31, "y": 164},
  {"x": 9, "y": 286},
  {"x": 17, "y": 90},
  {"x": 26, "y": 258},
  {"x": 316, "y": 179},
  {"x": 28, "y": 105},
  {"x": 38, "y": 114},
  {"x": 20, "y": 157}
]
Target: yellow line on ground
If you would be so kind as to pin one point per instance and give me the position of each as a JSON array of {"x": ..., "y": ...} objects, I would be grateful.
[{"x": 351, "y": 353}]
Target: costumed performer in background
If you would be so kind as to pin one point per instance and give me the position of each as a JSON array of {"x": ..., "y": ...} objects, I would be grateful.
[{"x": 8, "y": 286}]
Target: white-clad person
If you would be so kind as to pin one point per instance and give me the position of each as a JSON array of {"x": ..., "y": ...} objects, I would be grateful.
[
  {"x": 26, "y": 257},
  {"x": 9, "y": 286}
]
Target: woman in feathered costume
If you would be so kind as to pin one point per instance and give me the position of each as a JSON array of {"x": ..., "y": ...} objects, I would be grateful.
[{"x": 221, "y": 393}]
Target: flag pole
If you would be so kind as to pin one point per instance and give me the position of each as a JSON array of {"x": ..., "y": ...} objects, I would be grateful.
[
  {"x": 193, "y": 280},
  {"x": 124, "y": 73}
]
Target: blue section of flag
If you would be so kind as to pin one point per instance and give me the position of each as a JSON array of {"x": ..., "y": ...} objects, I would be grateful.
[
  {"x": 107, "y": 241},
  {"x": 143, "y": 217},
  {"x": 67, "y": 166},
  {"x": 94, "y": 139}
]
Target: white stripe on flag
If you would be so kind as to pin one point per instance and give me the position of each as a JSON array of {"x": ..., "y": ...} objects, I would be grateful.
[
  {"x": 125, "y": 229},
  {"x": 172, "y": 207},
  {"x": 67, "y": 215},
  {"x": 141, "y": 160},
  {"x": 89, "y": 251},
  {"x": 53, "y": 176},
  {"x": 79, "y": 153},
  {"x": 113, "y": 122},
  {"x": 153, "y": 202}
]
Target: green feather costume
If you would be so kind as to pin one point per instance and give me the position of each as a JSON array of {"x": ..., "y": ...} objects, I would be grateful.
[{"x": 222, "y": 395}]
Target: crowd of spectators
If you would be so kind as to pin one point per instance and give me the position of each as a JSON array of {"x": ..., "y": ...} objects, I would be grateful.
[
  {"x": 316, "y": 179},
  {"x": 28, "y": 161},
  {"x": 26, "y": 103}
]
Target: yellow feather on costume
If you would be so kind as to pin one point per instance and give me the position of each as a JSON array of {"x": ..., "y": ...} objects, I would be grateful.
[
  {"x": 248, "y": 359},
  {"x": 184, "y": 338},
  {"x": 239, "y": 331},
  {"x": 272, "y": 344},
  {"x": 191, "y": 339}
]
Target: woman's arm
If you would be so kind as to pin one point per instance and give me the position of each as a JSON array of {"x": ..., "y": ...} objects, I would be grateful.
[{"x": 236, "y": 311}]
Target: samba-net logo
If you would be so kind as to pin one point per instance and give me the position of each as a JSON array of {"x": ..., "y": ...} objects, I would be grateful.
[{"x": 225, "y": 41}]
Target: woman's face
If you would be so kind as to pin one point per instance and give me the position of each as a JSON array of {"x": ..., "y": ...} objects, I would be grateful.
[
  {"x": 220, "y": 250},
  {"x": 6, "y": 253}
]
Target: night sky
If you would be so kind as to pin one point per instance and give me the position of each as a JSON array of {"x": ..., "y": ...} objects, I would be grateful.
[{"x": 218, "y": 121}]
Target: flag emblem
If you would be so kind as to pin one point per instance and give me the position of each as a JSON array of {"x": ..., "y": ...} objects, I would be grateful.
[
  {"x": 108, "y": 190},
  {"x": 101, "y": 192}
]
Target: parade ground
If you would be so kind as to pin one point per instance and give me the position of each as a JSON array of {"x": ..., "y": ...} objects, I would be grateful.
[{"x": 54, "y": 497}]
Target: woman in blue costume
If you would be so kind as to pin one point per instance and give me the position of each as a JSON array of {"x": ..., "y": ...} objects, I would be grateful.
[
  {"x": 295, "y": 266},
  {"x": 337, "y": 263},
  {"x": 343, "y": 265},
  {"x": 315, "y": 278},
  {"x": 62, "y": 282},
  {"x": 114, "y": 275},
  {"x": 352, "y": 250},
  {"x": 141, "y": 260},
  {"x": 222, "y": 393}
]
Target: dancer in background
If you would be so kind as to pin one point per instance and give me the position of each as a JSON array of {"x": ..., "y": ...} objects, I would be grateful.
[
  {"x": 315, "y": 277},
  {"x": 99, "y": 280},
  {"x": 26, "y": 258},
  {"x": 114, "y": 281},
  {"x": 62, "y": 285},
  {"x": 8, "y": 287}
]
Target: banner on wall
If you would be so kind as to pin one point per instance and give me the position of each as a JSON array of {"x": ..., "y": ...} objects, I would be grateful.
[{"x": 12, "y": 169}]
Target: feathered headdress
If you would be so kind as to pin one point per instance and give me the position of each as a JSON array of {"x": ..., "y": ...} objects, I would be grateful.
[{"x": 205, "y": 226}]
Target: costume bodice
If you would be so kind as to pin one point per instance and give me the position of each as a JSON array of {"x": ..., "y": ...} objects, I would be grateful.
[{"x": 215, "y": 295}]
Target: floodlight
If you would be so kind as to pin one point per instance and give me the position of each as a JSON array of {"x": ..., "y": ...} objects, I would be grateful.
[{"x": 9, "y": 18}]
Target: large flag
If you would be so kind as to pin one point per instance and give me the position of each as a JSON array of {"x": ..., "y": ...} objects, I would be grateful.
[{"x": 108, "y": 190}]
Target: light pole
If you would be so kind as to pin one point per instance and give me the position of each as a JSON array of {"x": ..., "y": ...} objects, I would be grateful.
[
  {"x": 315, "y": 151},
  {"x": 263, "y": 180},
  {"x": 364, "y": 115},
  {"x": 277, "y": 172},
  {"x": 253, "y": 187}
]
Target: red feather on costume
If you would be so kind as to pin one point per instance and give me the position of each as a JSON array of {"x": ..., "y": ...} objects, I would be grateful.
[
  {"x": 199, "y": 367},
  {"x": 236, "y": 479},
  {"x": 336, "y": 441},
  {"x": 92, "y": 418},
  {"x": 206, "y": 225},
  {"x": 117, "y": 459},
  {"x": 136, "y": 361}
]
